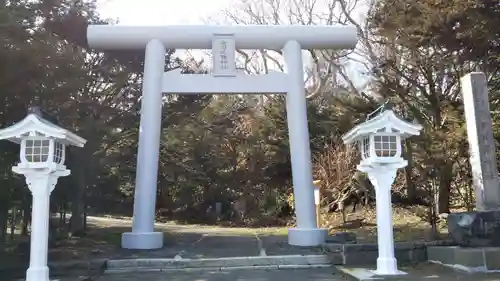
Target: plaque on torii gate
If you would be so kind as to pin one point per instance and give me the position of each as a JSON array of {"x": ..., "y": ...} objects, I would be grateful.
[{"x": 223, "y": 55}]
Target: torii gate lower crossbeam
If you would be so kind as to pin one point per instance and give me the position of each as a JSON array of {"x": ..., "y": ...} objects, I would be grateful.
[{"x": 223, "y": 40}]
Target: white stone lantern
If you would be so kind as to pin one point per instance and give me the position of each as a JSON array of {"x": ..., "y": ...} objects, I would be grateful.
[
  {"x": 379, "y": 139},
  {"x": 42, "y": 156}
]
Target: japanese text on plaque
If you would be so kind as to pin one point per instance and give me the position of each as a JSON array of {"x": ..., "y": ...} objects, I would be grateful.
[{"x": 223, "y": 55}]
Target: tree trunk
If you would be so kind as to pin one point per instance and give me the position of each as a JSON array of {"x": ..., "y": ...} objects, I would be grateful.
[
  {"x": 77, "y": 220},
  {"x": 411, "y": 191},
  {"x": 85, "y": 214},
  {"x": 26, "y": 214},
  {"x": 13, "y": 221},
  {"x": 4, "y": 216},
  {"x": 62, "y": 218},
  {"x": 445, "y": 178}
]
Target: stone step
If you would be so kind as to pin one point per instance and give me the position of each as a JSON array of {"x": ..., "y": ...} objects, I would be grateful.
[
  {"x": 365, "y": 254},
  {"x": 287, "y": 261},
  {"x": 478, "y": 259}
]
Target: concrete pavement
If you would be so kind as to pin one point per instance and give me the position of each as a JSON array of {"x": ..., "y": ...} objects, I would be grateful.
[{"x": 317, "y": 274}]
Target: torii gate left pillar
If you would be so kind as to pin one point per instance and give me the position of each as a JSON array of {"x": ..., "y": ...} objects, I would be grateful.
[{"x": 223, "y": 40}]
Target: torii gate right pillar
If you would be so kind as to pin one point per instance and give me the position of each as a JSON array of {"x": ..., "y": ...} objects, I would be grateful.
[{"x": 307, "y": 232}]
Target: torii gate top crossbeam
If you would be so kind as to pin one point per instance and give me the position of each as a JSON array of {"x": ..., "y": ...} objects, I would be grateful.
[{"x": 200, "y": 36}]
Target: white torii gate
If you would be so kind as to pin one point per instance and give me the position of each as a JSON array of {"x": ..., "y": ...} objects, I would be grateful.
[{"x": 224, "y": 40}]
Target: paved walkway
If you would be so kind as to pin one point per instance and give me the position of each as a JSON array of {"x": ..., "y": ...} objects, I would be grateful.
[
  {"x": 191, "y": 241},
  {"x": 186, "y": 242},
  {"x": 323, "y": 274},
  {"x": 213, "y": 245}
]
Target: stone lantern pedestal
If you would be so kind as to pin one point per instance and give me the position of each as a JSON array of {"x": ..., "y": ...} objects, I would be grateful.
[{"x": 41, "y": 184}]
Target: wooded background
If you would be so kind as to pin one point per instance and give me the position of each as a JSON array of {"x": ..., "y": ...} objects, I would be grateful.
[{"x": 225, "y": 148}]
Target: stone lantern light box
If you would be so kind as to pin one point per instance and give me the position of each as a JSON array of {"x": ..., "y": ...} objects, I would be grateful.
[
  {"x": 43, "y": 143},
  {"x": 379, "y": 138}
]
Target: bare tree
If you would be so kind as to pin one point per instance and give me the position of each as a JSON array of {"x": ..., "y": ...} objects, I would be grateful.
[
  {"x": 336, "y": 168},
  {"x": 329, "y": 70}
]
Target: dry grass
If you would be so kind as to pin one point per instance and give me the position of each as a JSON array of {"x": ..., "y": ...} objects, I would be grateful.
[
  {"x": 100, "y": 242},
  {"x": 407, "y": 225}
]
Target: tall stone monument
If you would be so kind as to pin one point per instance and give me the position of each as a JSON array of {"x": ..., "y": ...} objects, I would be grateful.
[
  {"x": 481, "y": 142},
  {"x": 482, "y": 227}
]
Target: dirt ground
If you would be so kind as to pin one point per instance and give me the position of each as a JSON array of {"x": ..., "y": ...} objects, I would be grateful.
[{"x": 407, "y": 225}]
